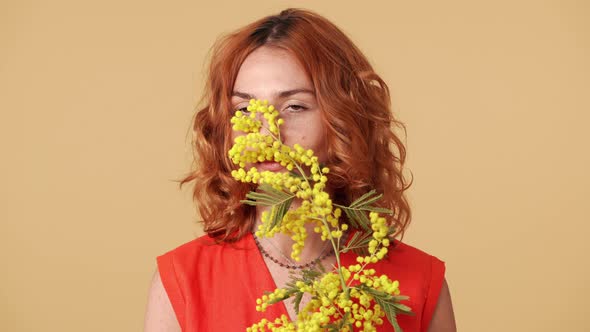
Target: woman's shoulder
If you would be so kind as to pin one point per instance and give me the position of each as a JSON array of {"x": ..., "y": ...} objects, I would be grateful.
[
  {"x": 199, "y": 243},
  {"x": 203, "y": 248},
  {"x": 414, "y": 262},
  {"x": 407, "y": 252},
  {"x": 421, "y": 276},
  {"x": 414, "y": 267}
]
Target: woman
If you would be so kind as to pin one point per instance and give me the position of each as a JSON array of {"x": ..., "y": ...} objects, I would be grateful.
[{"x": 332, "y": 102}]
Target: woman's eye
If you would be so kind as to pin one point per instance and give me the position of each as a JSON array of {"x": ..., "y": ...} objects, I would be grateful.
[
  {"x": 296, "y": 108},
  {"x": 244, "y": 109}
]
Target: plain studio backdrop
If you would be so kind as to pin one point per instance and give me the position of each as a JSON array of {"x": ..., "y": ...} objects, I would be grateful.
[{"x": 96, "y": 100}]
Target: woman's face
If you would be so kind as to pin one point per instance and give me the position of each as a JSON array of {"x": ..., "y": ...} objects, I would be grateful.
[{"x": 276, "y": 75}]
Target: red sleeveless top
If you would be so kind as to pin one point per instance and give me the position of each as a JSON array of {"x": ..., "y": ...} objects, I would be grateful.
[{"x": 214, "y": 287}]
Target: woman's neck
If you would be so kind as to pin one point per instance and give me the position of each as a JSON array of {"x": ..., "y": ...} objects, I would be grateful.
[{"x": 281, "y": 244}]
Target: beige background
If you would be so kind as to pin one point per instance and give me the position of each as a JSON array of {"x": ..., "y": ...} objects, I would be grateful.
[{"x": 96, "y": 100}]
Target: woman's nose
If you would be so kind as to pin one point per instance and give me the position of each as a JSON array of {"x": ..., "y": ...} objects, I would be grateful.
[{"x": 264, "y": 130}]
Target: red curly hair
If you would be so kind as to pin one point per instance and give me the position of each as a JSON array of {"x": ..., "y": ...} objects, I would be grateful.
[{"x": 363, "y": 151}]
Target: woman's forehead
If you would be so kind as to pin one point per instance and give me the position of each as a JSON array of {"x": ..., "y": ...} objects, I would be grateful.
[{"x": 270, "y": 69}]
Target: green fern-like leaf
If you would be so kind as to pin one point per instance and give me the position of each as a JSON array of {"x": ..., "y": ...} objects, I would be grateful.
[
  {"x": 359, "y": 243},
  {"x": 366, "y": 199},
  {"x": 307, "y": 276},
  {"x": 297, "y": 302},
  {"x": 357, "y": 211},
  {"x": 279, "y": 212},
  {"x": 267, "y": 196},
  {"x": 389, "y": 305},
  {"x": 270, "y": 196}
]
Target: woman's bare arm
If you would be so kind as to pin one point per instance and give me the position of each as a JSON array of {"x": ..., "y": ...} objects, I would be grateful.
[
  {"x": 443, "y": 318},
  {"x": 159, "y": 316}
]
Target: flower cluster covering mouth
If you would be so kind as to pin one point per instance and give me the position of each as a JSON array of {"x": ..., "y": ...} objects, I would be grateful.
[
  {"x": 258, "y": 148},
  {"x": 347, "y": 299}
]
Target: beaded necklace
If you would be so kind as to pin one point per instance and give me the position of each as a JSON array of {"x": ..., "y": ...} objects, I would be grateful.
[{"x": 322, "y": 256}]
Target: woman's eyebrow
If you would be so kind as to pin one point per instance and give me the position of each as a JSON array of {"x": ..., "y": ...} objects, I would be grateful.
[
  {"x": 280, "y": 94},
  {"x": 288, "y": 93},
  {"x": 242, "y": 95}
]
